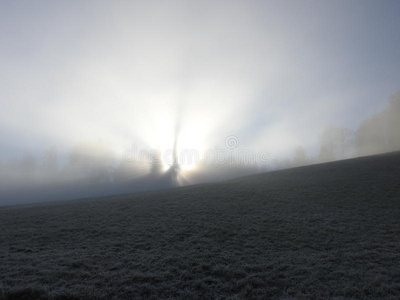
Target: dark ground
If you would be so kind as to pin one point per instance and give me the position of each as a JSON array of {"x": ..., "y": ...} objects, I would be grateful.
[{"x": 316, "y": 232}]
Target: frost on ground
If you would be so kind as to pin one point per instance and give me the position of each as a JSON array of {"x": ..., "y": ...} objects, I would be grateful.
[{"x": 322, "y": 231}]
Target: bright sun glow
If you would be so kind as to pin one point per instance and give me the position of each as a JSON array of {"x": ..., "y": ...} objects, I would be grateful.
[{"x": 190, "y": 138}]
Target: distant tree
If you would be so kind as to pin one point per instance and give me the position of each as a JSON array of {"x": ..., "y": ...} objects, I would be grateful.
[
  {"x": 380, "y": 132},
  {"x": 336, "y": 143},
  {"x": 371, "y": 137}
]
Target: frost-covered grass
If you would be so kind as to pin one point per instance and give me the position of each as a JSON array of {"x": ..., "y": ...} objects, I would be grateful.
[{"x": 322, "y": 231}]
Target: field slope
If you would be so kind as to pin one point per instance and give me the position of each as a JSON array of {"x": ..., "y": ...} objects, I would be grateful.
[{"x": 321, "y": 231}]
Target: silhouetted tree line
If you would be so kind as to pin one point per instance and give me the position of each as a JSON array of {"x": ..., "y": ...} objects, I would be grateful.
[
  {"x": 86, "y": 164},
  {"x": 95, "y": 163},
  {"x": 379, "y": 133}
]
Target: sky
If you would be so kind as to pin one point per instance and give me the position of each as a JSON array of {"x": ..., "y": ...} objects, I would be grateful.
[{"x": 271, "y": 73}]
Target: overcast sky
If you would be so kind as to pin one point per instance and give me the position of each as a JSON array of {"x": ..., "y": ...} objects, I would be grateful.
[{"x": 272, "y": 73}]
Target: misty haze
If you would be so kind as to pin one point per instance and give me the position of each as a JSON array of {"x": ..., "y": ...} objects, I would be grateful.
[{"x": 200, "y": 149}]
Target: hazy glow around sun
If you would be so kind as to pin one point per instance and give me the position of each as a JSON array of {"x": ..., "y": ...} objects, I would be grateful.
[{"x": 127, "y": 72}]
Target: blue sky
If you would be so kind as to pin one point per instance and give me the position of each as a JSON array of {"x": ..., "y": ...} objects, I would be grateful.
[{"x": 273, "y": 73}]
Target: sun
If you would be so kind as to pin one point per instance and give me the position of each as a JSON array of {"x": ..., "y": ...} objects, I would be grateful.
[{"x": 186, "y": 139}]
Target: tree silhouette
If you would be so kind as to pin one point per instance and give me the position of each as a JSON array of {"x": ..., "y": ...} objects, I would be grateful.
[{"x": 380, "y": 132}]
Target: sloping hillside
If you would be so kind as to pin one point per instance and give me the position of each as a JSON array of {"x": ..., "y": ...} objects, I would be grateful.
[{"x": 321, "y": 231}]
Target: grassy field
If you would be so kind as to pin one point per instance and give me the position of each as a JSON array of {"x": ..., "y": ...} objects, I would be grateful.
[{"x": 315, "y": 232}]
